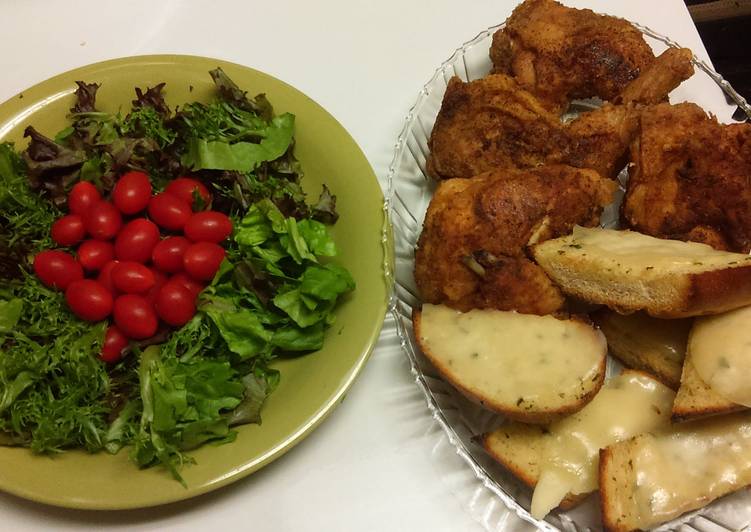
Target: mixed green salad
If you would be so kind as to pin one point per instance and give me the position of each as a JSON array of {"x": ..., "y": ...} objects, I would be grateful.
[{"x": 273, "y": 294}]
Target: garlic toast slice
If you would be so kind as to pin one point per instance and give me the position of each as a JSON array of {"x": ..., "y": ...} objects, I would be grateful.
[
  {"x": 653, "y": 478},
  {"x": 629, "y": 271},
  {"x": 530, "y": 368},
  {"x": 642, "y": 342},
  {"x": 718, "y": 363},
  {"x": 561, "y": 461},
  {"x": 695, "y": 399}
]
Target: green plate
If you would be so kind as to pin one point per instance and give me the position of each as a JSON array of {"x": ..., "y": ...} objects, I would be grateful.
[{"x": 312, "y": 385}]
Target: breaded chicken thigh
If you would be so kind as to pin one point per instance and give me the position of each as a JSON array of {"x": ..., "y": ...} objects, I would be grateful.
[
  {"x": 493, "y": 123},
  {"x": 691, "y": 178},
  {"x": 560, "y": 53},
  {"x": 471, "y": 253}
]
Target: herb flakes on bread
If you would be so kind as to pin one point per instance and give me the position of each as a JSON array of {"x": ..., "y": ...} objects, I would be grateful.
[
  {"x": 561, "y": 461},
  {"x": 718, "y": 363},
  {"x": 533, "y": 369},
  {"x": 629, "y": 271},
  {"x": 653, "y": 478},
  {"x": 649, "y": 344}
]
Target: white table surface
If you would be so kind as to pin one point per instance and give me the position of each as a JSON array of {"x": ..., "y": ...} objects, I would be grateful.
[{"x": 378, "y": 462}]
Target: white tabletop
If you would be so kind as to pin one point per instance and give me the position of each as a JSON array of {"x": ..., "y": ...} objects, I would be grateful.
[{"x": 378, "y": 462}]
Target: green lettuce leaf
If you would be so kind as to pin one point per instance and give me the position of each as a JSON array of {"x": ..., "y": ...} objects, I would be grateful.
[
  {"x": 242, "y": 330},
  {"x": 185, "y": 404},
  {"x": 205, "y": 154},
  {"x": 326, "y": 282},
  {"x": 258, "y": 386},
  {"x": 317, "y": 237},
  {"x": 10, "y": 313},
  {"x": 293, "y": 338}
]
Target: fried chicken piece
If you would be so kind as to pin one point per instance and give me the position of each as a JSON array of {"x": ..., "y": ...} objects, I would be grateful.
[
  {"x": 471, "y": 253},
  {"x": 494, "y": 123},
  {"x": 600, "y": 139},
  {"x": 691, "y": 178},
  {"x": 491, "y": 123},
  {"x": 653, "y": 85},
  {"x": 559, "y": 53}
]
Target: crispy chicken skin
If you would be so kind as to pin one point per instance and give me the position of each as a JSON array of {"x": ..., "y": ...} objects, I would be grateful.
[
  {"x": 656, "y": 81},
  {"x": 471, "y": 253},
  {"x": 491, "y": 123},
  {"x": 494, "y": 123},
  {"x": 560, "y": 53},
  {"x": 691, "y": 178}
]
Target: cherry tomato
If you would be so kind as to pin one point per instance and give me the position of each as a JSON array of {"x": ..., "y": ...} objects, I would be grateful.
[
  {"x": 208, "y": 226},
  {"x": 132, "y": 278},
  {"x": 159, "y": 281},
  {"x": 136, "y": 240},
  {"x": 168, "y": 254},
  {"x": 169, "y": 212},
  {"x": 95, "y": 254},
  {"x": 68, "y": 230},
  {"x": 175, "y": 304},
  {"x": 81, "y": 197},
  {"x": 105, "y": 276},
  {"x": 114, "y": 343},
  {"x": 135, "y": 317},
  {"x": 132, "y": 192},
  {"x": 185, "y": 189},
  {"x": 89, "y": 299},
  {"x": 193, "y": 286},
  {"x": 201, "y": 260},
  {"x": 103, "y": 220},
  {"x": 57, "y": 269}
]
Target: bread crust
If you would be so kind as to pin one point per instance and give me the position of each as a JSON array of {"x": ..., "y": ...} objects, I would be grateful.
[
  {"x": 618, "y": 481},
  {"x": 614, "y": 516},
  {"x": 716, "y": 291},
  {"x": 628, "y": 343},
  {"x": 515, "y": 412},
  {"x": 528, "y": 473},
  {"x": 696, "y": 400},
  {"x": 673, "y": 294},
  {"x": 519, "y": 448}
]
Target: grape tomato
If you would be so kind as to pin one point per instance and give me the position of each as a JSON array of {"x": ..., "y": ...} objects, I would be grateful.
[
  {"x": 193, "y": 286},
  {"x": 105, "y": 276},
  {"x": 57, "y": 269},
  {"x": 169, "y": 212},
  {"x": 160, "y": 280},
  {"x": 89, "y": 299},
  {"x": 137, "y": 240},
  {"x": 132, "y": 192},
  {"x": 81, "y": 198},
  {"x": 103, "y": 221},
  {"x": 131, "y": 277},
  {"x": 135, "y": 317},
  {"x": 68, "y": 230},
  {"x": 114, "y": 343},
  {"x": 202, "y": 260},
  {"x": 175, "y": 304},
  {"x": 186, "y": 189},
  {"x": 208, "y": 226},
  {"x": 168, "y": 254},
  {"x": 95, "y": 254}
]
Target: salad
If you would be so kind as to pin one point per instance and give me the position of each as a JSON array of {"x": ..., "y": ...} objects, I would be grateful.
[{"x": 152, "y": 266}]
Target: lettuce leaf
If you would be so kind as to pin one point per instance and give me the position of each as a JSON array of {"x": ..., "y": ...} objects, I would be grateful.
[
  {"x": 281, "y": 264},
  {"x": 10, "y": 313},
  {"x": 203, "y": 154},
  {"x": 185, "y": 404}
]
